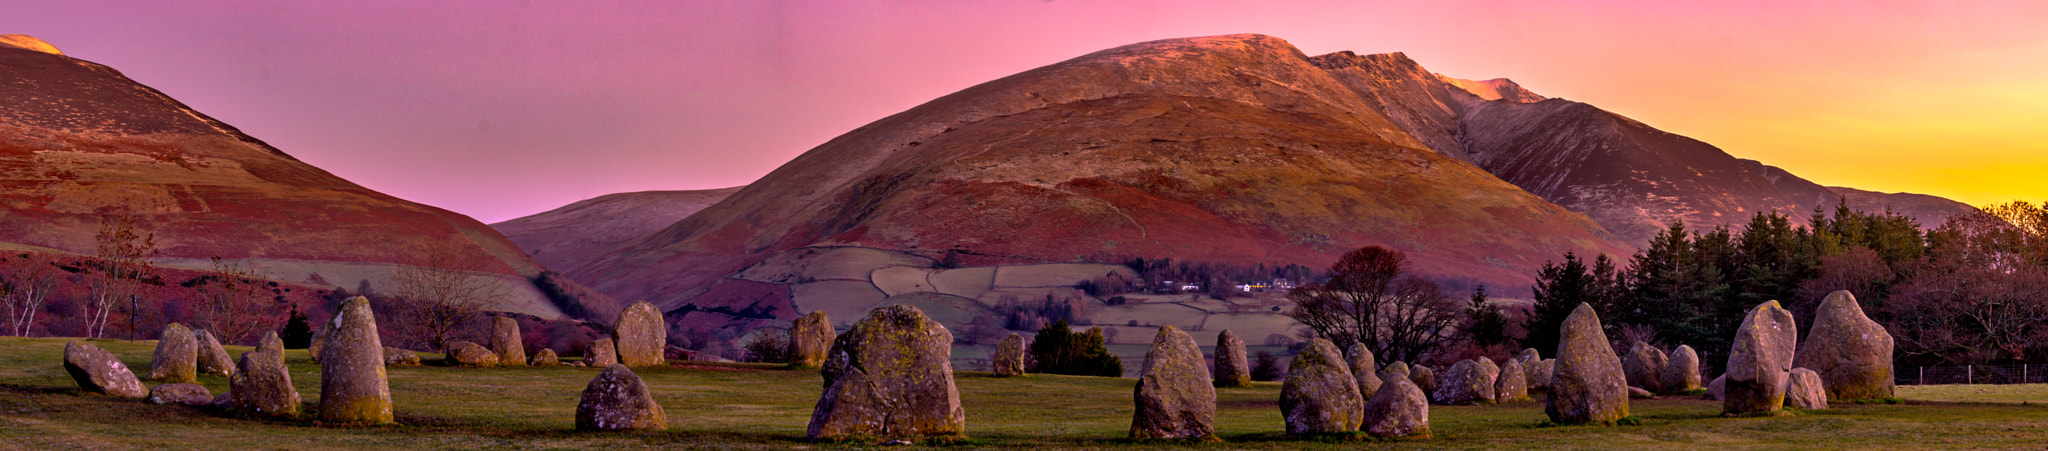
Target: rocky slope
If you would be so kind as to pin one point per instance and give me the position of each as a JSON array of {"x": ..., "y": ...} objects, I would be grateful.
[{"x": 570, "y": 236}]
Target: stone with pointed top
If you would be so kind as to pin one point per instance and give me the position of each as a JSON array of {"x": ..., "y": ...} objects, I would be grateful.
[
  {"x": 506, "y": 341},
  {"x": 213, "y": 359},
  {"x": 1587, "y": 385},
  {"x": 1852, "y": 354},
  {"x": 1512, "y": 385},
  {"x": 1175, "y": 398},
  {"x": 1364, "y": 369},
  {"x": 353, "y": 388}
]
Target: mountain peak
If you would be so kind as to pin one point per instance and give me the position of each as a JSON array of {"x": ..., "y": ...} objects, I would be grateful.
[
  {"x": 1495, "y": 89},
  {"x": 26, "y": 42}
]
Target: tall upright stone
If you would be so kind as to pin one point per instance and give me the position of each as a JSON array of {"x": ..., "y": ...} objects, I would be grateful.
[
  {"x": 811, "y": 336},
  {"x": 177, "y": 356},
  {"x": 1760, "y": 360},
  {"x": 1644, "y": 367},
  {"x": 99, "y": 371},
  {"x": 641, "y": 335},
  {"x": 271, "y": 342},
  {"x": 1008, "y": 360},
  {"x": 1232, "y": 367},
  {"x": 262, "y": 385},
  {"x": 1466, "y": 382},
  {"x": 506, "y": 341},
  {"x": 617, "y": 400},
  {"x": 1175, "y": 397},
  {"x": 1364, "y": 369},
  {"x": 1320, "y": 396},
  {"x": 1398, "y": 410},
  {"x": 890, "y": 376},
  {"x": 1512, "y": 385},
  {"x": 600, "y": 354},
  {"x": 213, "y": 359},
  {"x": 1803, "y": 390},
  {"x": 1682, "y": 373},
  {"x": 1587, "y": 385},
  {"x": 352, "y": 382},
  {"x": 1852, "y": 353}
]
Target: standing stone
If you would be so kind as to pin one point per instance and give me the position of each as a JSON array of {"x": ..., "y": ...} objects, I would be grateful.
[
  {"x": 400, "y": 357},
  {"x": 1529, "y": 357},
  {"x": 1320, "y": 396},
  {"x": 811, "y": 336},
  {"x": 890, "y": 376},
  {"x": 1803, "y": 390},
  {"x": 1364, "y": 369},
  {"x": 271, "y": 342},
  {"x": 641, "y": 335},
  {"x": 1465, "y": 383},
  {"x": 463, "y": 353},
  {"x": 1540, "y": 377},
  {"x": 1398, "y": 410},
  {"x": 506, "y": 342},
  {"x": 98, "y": 371},
  {"x": 186, "y": 394},
  {"x": 1009, "y": 358},
  {"x": 314, "y": 347},
  {"x": 617, "y": 400},
  {"x": 1423, "y": 377},
  {"x": 546, "y": 357},
  {"x": 352, "y": 384},
  {"x": 1175, "y": 398},
  {"x": 1717, "y": 389},
  {"x": 1852, "y": 354},
  {"x": 1393, "y": 370},
  {"x": 177, "y": 356},
  {"x": 262, "y": 385},
  {"x": 1513, "y": 385},
  {"x": 1232, "y": 367},
  {"x": 1644, "y": 367},
  {"x": 1487, "y": 366},
  {"x": 1760, "y": 360},
  {"x": 1587, "y": 385},
  {"x": 213, "y": 359},
  {"x": 600, "y": 354},
  {"x": 1682, "y": 373}
]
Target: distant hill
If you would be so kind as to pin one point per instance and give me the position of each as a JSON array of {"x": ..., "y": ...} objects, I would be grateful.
[{"x": 570, "y": 236}]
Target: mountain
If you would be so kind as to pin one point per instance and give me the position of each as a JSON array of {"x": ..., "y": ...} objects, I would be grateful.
[
  {"x": 78, "y": 140},
  {"x": 1234, "y": 149},
  {"x": 1930, "y": 211},
  {"x": 570, "y": 236}
]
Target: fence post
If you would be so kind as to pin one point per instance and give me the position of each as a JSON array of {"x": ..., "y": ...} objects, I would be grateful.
[
  {"x": 1923, "y": 375},
  {"x": 1970, "y": 374}
]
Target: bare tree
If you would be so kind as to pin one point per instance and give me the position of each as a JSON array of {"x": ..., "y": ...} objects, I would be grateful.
[
  {"x": 121, "y": 264},
  {"x": 26, "y": 281},
  {"x": 1370, "y": 298},
  {"x": 234, "y": 303},
  {"x": 442, "y": 290}
]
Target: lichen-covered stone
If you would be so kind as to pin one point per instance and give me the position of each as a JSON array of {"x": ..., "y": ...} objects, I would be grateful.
[
  {"x": 1644, "y": 367},
  {"x": 890, "y": 376},
  {"x": 1232, "y": 367},
  {"x": 262, "y": 385},
  {"x": 272, "y": 342},
  {"x": 1541, "y": 375},
  {"x": 1398, "y": 410},
  {"x": 1364, "y": 369},
  {"x": 1513, "y": 385},
  {"x": 641, "y": 336},
  {"x": 182, "y": 393},
  {"x": 1423, "y": 377},
  {"x": 546, "y": 357},
  {"x": 98, "y": 371},
  {"x": 400, "y": 357},
  {"x": 506, "y": 342},
  {"x": 1393, "y": 370},
  {"x": 314, "y": 347},
  {"x": 1487, "y": 365},
  {"x": 1587, "y": 385},
  {"x": 1528, "y": 358},
  {"x": 1760, "y": 360},
  {"x": 1803, "y": 390},
  {"x": 352, "y": 380},
  {"x": 463, "y": 353},
  {"x": 213, "y": 359},
  {"x": 810, "y": 337},
  {"x": 1682, "y": 372},
  {"x": 618, "y": 400},
  {"x": 1008, "y": 360},
  {"x": 1464, "y": 383},
  {"x": 1320, "y": 396},
  {"x": 1175, "y": 398},
  {"x": 1852, "y": 354},
  {"x": 177, "y": 356},
  {"x": 600, "y": 354}
]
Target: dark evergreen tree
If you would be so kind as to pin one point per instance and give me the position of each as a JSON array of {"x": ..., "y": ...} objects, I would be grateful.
[
  {"x": 1059, "y": 350},
  {"x": 297, "y": 332},
  {"x": 1560, "y": 287},
  {"x": 1485, "y": 324}
]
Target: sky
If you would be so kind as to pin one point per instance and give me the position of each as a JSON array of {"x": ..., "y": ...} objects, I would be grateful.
[{"x": 501, "y": 108}]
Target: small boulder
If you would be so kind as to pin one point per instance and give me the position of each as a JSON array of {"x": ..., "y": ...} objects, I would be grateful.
[
  {"x": 400, "y": 357},
  {"x": 353, "y": 388},
  {"x": 463, "y": 353},
  {"x": 98, "y": 371},
  {"x": 1803, "y": 390},
  {"x": 600, "y": 354},
  {"x": 1487, "y": 365},
  {"x": 1759, "y": 361},
  {"x": 1682, "y": 372},
  {"x": 1232, "y": 367},
  {"x": 506, "y": 341},
  {"x": 1423, "y": 377},
  {"x": 271, "y": 342},
  {"x": 618, "y": 400},
  {"x": 1398, "y": 410},
  {"x": 1644, "y": 367},
  {"x": 641, "y": 335},
  {"x": 262, "y": 385},
  {"x": 1364, "y": 369},
  {"x": 1587, "y": 385},
  {"x": 1320, "y": 396},
  {"x": 1175, "y": 398},
  {"x": 1541, "y": 375},
  {"x": 890, "y": 376},
  {"x": 187, "y": 394},
  {"x": 1397, "y": 369},
  {"x": 1464, "y": 383},
  {"x": 811, "y": 336},
  {"x": 1008, "y": 360},
  {"x": 1512, "y": 385},
  {"x": 177, "y": 356},
  {"x": 1717, "y": 388},
  {"x": 1635, "y": 392},
  {"x": 546, "y": 357},
  {"x": 213, "y": 359},
  {"x": 1852, "y": 354},
  {"x": 313, "y": 347}
]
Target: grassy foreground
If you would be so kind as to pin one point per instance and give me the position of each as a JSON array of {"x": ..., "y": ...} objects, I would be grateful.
[{"x": 740, "y": 406}]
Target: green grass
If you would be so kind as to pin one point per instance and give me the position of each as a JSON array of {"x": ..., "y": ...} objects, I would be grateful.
[{"x": 757, "y": 406}]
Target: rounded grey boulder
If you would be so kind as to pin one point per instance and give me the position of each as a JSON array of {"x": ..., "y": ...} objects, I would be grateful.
[
  {"x": 1320, "y": 396},
  {"x": 1398, "y": 410},
  {"x": 1512, "y": 385},
  {"x": 98, "y": 371},
  {"x": 1803, "y": 390},
  {"x": 1465, "y": 383},
  {"x": 641, "y": 334},
  {"x": 186, "y": 394},
  {"x": 177, "y": 356},
  {"x": 1682, "y": 372},
  {"x": 1644, "y": 367},
  {"x": 600, "y": 354},
  {"x": 618, "y": 400},
  {"x": 1852, "y": 353},
  {"x": 213, "y": 359}
]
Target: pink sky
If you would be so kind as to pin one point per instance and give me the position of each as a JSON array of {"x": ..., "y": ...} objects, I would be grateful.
[{"x": 500, "y": 109}]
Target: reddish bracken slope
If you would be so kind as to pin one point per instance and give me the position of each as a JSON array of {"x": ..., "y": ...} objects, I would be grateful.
[{"x": 570, "y": 236}]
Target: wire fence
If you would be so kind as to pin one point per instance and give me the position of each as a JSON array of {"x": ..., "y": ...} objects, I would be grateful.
[{"x": 1973, "y": 374}]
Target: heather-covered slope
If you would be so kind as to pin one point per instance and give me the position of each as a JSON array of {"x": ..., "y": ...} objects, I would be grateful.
[{"x": 570, "y": 236}]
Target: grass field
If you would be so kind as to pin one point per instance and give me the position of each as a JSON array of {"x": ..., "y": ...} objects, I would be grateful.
[{"x": 758, "y": 407}]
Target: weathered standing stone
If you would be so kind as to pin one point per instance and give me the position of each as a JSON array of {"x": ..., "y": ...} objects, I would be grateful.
[
  {"x": 1320, "y": 396},
  {"x": 811, "y": 336},
  {"x": 1175, "y": 398},
  {"x": 1803, "y": 390},
  {"x": 1398, "y": 410},
  {"x": 506, "y": 342},
  {"x": 177, "y": 356},
  {"x": 641, "y": 335},
  {"x": 618, "y": 400},
  {"x": 1529, "y": 357},
  {"x": 1541, "y": 376},
  {"x": 400, "y": 357},
  {"x": 546, "y": 357},
  {"x": 271, "y": 342},
  {"x": 352, "y": 382},
  {"x": 1232, "y": 367},
  {"x": 1423, "y": 377},
  {"x": 1397, "y": 369},
  {"x": 1364, "y": 369},
  {"x": 181, "y": 393},
  {"x": 890, "y": 376},
  {"x": 1852, "y": 354},
  {"x": 463, "y": 353},
  {"x": 1760, "y": 360},
  {"x": 1644, "y": 367},
  {"x": 314, "y": 347},
  {"x": 600, "y": 354},
  {"x": 1587, "y": 385},
  {"x": 1682, "y": 372},
  {"x": 1717, "y": 389},
  {"x": 213, "y": 359},
  {"x": 1464, "y": 383},
  {"x": 262, "y": 385},
  {"x": 98, "y": 371},
  {"x": 1513, "y": 385},
  {"x": 1487, "y": 366},
  {"x": 1009, "y": 358}
]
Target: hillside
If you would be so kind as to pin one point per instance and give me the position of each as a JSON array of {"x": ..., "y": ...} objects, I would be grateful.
[{"x": 570, "y": 236}]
